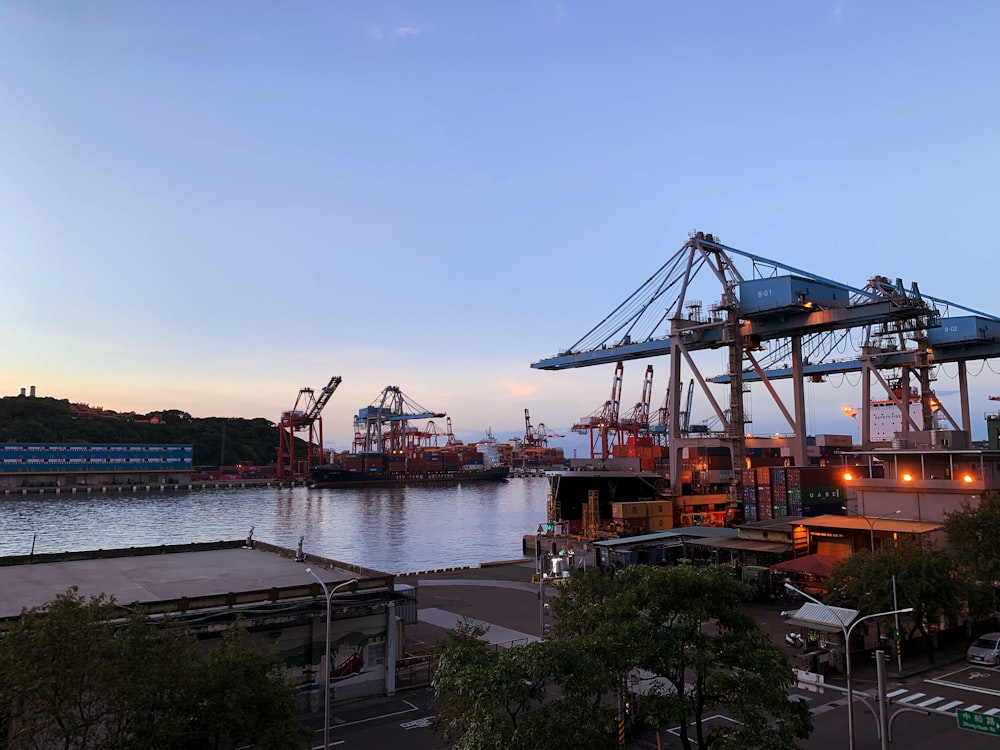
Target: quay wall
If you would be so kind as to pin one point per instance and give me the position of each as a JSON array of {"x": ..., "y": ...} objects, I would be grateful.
[{"x": 123, "y": 489}]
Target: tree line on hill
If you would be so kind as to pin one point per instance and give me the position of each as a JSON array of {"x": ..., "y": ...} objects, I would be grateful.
[{"x": 217, "y": 440}]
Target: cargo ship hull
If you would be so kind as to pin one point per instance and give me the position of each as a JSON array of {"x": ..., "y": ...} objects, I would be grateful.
[{"x": 336, "y": 476}]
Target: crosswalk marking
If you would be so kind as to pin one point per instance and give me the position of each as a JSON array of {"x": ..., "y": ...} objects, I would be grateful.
[{"x": 901, "y": 696}]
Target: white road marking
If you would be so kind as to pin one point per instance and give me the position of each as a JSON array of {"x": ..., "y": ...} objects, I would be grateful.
[
  {"x": 912, "y": 697},
  {"x": 411, "y": 709},
  {"x": 894, "y": 693},
  {"x": 930, "y": 702},
  {"x": 949, "y": 706},
  {"x": 992, "y": 712},
  {"x": 973, "y": 707},
  {"x": 417, "y": 723}
]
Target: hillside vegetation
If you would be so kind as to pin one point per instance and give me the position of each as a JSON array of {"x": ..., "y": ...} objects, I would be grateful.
[{"x": 49, "y": 420}]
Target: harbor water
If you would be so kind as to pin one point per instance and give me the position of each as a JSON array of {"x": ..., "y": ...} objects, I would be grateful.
[{"x": 395, "y": 530}]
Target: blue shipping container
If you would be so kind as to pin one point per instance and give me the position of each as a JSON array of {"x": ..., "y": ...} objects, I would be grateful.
[{"x": 789, "y": 292}]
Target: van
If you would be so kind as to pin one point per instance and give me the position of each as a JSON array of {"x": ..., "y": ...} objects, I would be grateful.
[{"x": 986, "y": 649}]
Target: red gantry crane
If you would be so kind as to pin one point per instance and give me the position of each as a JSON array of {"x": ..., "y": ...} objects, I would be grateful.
[
  {"x": 636, "y": 422},
  {"x": 304, "y": 415},
  {"x": 536, "y": 437},
  {"x": 603, "y": 425}
]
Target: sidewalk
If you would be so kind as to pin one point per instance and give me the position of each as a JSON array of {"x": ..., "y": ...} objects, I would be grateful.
[{"x": 769, "y": 614}]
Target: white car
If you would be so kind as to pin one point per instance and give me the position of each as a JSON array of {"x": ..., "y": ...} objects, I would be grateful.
[{"x": 986, "y": 649}]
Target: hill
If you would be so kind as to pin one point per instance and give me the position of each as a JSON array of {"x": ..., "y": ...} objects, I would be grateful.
[{"x": 216, "y": 440}]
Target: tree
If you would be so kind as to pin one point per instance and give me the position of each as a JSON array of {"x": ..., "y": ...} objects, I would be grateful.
[
  {"x": 82, "y": 673},
  {"x": 974, "y": 538},
  {"x": 519, "y": 698},
  {"x": 685, "y": 626},
  {"x": 682, "y": 625},
  {"x": 243, "y": 699},
  {"x": 926, "y": 580}
]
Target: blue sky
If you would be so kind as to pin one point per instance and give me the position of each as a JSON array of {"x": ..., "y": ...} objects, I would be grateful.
[{"x": 210, "y": 205}]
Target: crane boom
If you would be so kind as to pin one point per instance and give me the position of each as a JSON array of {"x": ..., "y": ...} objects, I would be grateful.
[{"x": 686, "y": 416}]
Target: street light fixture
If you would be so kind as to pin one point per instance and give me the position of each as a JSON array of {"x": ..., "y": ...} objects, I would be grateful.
[
  {"x": 328, "y": 594},
  {"x": 872, "y": 522},
  {"x": 871, "y": 525},
  {"x": 847, "y": 630}
]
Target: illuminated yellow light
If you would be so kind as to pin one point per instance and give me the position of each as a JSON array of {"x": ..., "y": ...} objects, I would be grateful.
[
  {"x": 907, "y": 477},
  {"x": 967, "y": 478},
  {"x": 848, "y": 476}
]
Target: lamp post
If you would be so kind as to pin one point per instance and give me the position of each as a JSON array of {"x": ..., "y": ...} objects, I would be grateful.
[
  {"x": 873, "y": 521},
  {"x": 847, "y": 630},
  {"x": 328, "y": 595}
]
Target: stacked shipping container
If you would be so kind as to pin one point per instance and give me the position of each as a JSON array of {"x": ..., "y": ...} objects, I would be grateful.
[{"x": 644, "y": 515}]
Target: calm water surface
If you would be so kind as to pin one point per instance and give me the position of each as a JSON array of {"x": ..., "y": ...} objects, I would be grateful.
[{"x": 396, "y": 530}]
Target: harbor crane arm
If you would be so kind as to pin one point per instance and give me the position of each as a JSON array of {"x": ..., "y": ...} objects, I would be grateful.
[{"x": 324, "y": 396}]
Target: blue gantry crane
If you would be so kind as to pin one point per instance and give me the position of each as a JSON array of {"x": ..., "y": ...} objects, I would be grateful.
[
  {"x": 382, "y": 427},
  {"x": 802, "y": 322}
]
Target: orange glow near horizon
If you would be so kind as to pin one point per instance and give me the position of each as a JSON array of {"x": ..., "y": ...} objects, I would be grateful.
[
  {"x": 848, "y": 476},
  {"x": 907, "y": 477},
  {"x": 967, "y": 478}
]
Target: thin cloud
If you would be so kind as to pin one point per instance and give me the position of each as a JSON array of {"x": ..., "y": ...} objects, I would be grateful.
[{"x": 399, "y": 32}]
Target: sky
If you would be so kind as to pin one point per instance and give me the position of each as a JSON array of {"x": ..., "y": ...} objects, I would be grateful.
[{"x": 208, "y": 206}]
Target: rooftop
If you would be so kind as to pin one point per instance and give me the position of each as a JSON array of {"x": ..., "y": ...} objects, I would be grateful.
[{"x": 167, "y": 574}]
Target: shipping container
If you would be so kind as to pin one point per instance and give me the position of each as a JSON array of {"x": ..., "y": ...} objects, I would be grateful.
[
  {"x": 777, "y": 293},
  {"x": 828, "y": 495},
  {"x": 628, "y": 510},
  {"x": 964, "y": 329},
  {"x": 661, "y": 523}
]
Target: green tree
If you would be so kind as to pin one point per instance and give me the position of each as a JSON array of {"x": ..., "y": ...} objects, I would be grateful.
[
  {"x": 974, "y": 538},
  {"x": 926, "y": 580},
  {"x": 521, "y": 697},
  {"x": 243, "y": 699},
  {"x": 683, "y": 626},
  {"x": 80, "y": 673}
]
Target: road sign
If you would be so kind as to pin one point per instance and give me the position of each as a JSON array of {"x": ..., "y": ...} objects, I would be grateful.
[{"x": 978, "y": 722}]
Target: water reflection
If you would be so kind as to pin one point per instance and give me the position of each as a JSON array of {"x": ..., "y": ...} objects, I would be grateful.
[{"x": 397, "y": 529}]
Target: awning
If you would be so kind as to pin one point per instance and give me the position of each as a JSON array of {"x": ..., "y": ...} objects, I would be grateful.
[
  {"x": 749, "y": 545},
  {"x": 817, "y": 565},
  {"x": 822, "y": 617}
]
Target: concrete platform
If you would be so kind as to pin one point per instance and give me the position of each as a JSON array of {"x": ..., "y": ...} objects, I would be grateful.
[{"x": 148, "y": 578}]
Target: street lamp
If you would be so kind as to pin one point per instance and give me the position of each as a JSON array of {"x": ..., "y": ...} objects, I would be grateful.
[
  {"x": 872, "y": 522},
  {"x": 847, "y": 630},
  {"x": 871, "y": 525},
  {"x": 328, "y": 594}
]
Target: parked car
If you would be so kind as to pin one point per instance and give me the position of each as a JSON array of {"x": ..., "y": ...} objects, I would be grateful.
[{"x": 986, "y": 649}]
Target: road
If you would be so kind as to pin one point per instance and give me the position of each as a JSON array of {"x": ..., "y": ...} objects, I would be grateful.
[{"x": 403, "y": 721}]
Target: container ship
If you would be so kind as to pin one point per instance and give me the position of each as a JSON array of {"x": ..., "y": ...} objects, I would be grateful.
[
  {"x": 396, "y": 441},
  {"x": 373, "y": 469}
]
